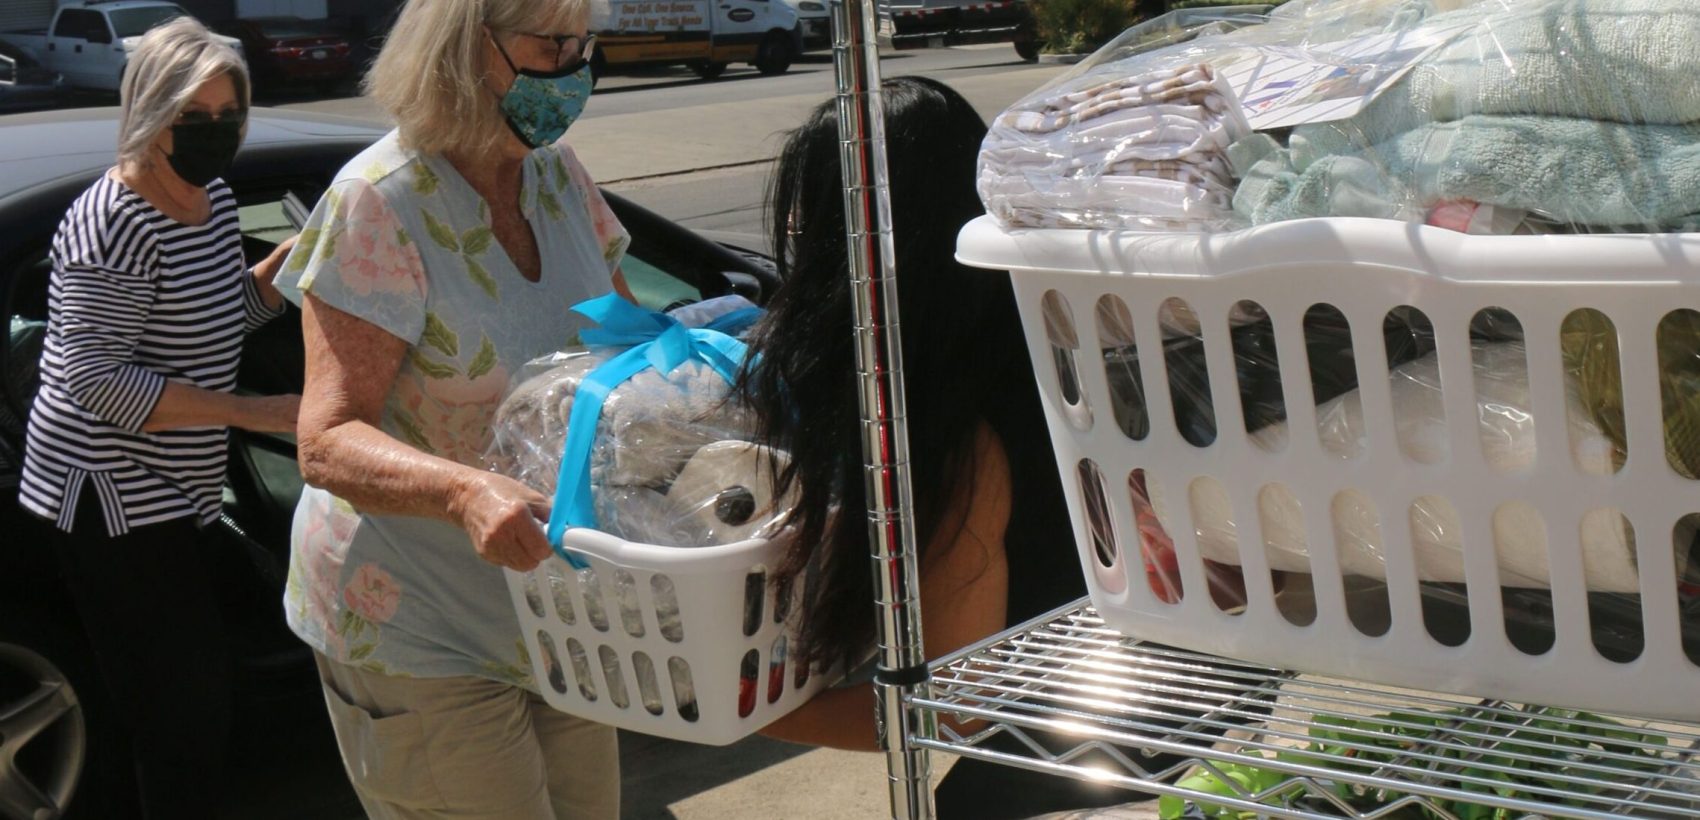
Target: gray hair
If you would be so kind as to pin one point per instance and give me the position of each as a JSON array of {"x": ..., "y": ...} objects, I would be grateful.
[
  {"x": 165, "y": 70},
  {"x": 429, "y": 77}
]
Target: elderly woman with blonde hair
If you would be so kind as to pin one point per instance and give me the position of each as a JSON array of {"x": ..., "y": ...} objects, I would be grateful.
[
  {"x": 440, "y": 261},
  {"x": 149, "y": 300}
]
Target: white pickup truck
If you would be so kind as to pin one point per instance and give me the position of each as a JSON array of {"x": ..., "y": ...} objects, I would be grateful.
[{"x": 89, "y": 42}]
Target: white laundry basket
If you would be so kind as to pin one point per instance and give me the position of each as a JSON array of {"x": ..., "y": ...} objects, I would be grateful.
[
  {"x": 663, "y": 640},
  {"x": 1365, "y": 269}
]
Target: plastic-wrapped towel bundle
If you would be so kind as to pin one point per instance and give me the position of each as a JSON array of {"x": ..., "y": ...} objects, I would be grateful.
[
  {"x": 651, "y": 425},
  {"x": 1148, "y": 150},
  {"x": 670, "y": 462},
  {"x": 1582, "y": 115}
]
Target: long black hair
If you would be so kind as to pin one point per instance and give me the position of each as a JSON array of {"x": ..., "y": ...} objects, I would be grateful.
[{"x": 964, "y": 359}]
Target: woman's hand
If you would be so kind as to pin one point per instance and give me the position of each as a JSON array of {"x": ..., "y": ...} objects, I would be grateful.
[
  {"x": 267, "y": 270},
  {"x": 504, "y": 519}
]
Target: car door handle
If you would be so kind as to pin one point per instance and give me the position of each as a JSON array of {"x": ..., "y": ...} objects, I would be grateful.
[
  {"x": 52, "y": 46},
  {"x": 78, "y": 49}
]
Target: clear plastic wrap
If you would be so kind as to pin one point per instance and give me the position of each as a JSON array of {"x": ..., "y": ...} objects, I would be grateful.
[
  {"x": 1508, "y": 434},
  {"x": 1506, "y": 424},
  {"x": 672, "y": 463},
  {"x": 1483, "y": 116}
]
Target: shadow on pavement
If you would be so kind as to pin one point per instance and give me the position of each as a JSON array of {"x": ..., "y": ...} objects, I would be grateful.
[
  {"x": 650, "y": 81},
  {"x": 657, "y": 773}
]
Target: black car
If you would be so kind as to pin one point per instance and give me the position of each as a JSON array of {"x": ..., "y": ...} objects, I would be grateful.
[
  {"x": 26, "y": 85},
  {"x": 59, "y": 745}
]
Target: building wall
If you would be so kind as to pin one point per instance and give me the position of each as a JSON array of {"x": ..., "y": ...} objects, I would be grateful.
[
  {"x": 210, "y": 12},
  {"x": 25, "y": 14}
]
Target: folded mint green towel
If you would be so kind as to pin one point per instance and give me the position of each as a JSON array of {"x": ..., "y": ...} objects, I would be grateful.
[
  {"x": 1582, "y": 172},
  {"x": 1630, "y": 61}
]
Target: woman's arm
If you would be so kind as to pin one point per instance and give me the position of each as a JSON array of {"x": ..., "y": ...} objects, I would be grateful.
[
  {"x": 964, "y": 596},
  {"x": 101, "y": 313},
  {"x": 185, "y": 405},
  {"x": 351, "y": 366},
  {"x": 620, "y": 286},
  {"x": 262, "y": 299}
]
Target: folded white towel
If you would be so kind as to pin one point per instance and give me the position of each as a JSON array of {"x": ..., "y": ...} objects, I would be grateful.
[
  {"x": 1141, "y": 151},
  {"x": 1161, "y": 198}
]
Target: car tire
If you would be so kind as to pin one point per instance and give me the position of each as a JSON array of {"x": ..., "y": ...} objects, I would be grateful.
[
  {"x": 80, "y": 760},
  {"x": 709, "y": 71},
  {"x": 1027, "y": 50},
  {"x": 775, "y": 54}
]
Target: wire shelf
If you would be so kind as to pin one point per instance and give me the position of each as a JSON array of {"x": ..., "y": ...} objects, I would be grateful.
[{"x": 1068, "y": 695}]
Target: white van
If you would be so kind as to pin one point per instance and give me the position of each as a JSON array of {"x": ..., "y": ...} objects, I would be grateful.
[{"x": 706, "y": 35}]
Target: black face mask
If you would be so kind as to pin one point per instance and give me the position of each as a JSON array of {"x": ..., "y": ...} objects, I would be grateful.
[{"x": 203, "y": 151}]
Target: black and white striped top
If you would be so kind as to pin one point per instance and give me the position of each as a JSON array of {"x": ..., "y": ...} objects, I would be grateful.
[{"x": 136, "y": 299}]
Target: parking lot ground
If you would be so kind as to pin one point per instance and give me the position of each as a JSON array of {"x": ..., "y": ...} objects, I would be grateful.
[{"x": 761, "y": 778}]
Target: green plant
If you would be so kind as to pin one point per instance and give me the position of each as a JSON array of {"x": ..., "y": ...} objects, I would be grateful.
[
  {"x": 1080, "y": 26},
  {"x": 1521, "y": 760}
]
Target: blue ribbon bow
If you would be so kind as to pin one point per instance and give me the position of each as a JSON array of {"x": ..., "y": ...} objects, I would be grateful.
[{"x": 654, "y": 340}]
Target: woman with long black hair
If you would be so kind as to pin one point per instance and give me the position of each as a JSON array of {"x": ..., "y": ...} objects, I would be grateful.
[{"x": 994, "y": 536}]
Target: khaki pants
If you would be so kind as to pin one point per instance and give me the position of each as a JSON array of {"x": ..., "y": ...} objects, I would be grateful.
[{"x": 467, "y": 748}]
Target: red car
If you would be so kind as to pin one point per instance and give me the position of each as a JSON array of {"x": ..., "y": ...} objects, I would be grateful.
[{"x": 289, "y": 50}]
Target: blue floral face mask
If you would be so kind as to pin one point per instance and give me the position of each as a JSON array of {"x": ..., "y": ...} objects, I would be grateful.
[{"x": 541, "y": 105}]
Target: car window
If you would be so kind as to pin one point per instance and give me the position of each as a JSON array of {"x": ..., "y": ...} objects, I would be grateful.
[
  {"x": 76, "y": 23},
  {"x": 136, "y": 22},
  {"x": 265, "y": 220},
  {"x": 272, "y": 357},
  {"x": 23, "y": 306},
  {"x": 655, "y": 288},
  {"x": 667, "y": 263}
]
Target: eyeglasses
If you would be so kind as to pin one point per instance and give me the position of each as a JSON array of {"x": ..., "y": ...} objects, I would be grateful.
[
  {"x": 236, "y": 115},
  {"x": 571, "y": 50}
]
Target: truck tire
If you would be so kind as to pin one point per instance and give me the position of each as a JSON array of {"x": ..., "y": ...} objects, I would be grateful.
[
  {"x": 1027, "y": 41},
  {"x": 709, "y": 71},
  {"x": 775, "y": 54}
]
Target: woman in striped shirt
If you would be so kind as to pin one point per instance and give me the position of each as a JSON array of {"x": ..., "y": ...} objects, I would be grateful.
[{"x": 148, "y": 305}]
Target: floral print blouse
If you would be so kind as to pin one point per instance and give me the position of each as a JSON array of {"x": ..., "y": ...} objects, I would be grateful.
[{"x": 402, "y": 241}]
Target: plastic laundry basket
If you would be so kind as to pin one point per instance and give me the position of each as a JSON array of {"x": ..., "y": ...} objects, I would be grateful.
[
  {"x": 685, "y": 643},
  {"x": 1365, "y": 269}
]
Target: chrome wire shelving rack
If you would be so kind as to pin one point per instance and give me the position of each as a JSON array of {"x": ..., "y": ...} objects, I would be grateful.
[{"x": 1078, "y": 698}]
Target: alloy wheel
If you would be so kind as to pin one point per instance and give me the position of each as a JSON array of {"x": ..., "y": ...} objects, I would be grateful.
[{"x": 43, "y": 736}]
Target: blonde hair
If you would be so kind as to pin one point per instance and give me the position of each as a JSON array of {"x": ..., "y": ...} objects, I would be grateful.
[
  {"x": 172, "y": 62},
  {"x": 430, "y": 74}
]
